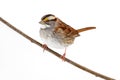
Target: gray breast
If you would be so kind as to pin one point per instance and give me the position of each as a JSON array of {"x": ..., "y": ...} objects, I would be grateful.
[{"x": 52, "y": 39}]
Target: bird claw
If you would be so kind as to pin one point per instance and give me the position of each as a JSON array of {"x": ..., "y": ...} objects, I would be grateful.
[
  {"x": 63, "y": 57},
  {"x": 44, "y": 47}
]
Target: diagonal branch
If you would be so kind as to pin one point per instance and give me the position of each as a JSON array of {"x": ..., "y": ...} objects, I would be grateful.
[{"x": 55, "y": 53}]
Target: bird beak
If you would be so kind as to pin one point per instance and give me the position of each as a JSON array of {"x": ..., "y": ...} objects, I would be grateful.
[
  {"x": 41, "y": 22},
  {"x": 43, "y": 25}
]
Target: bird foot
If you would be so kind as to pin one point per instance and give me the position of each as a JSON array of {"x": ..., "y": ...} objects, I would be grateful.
[
  {"x": 44, "y": 47},
  {"x": 63, "y": 57}
]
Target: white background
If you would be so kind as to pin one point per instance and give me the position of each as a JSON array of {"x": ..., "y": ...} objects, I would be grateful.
[{"x": 97, "y": 49}]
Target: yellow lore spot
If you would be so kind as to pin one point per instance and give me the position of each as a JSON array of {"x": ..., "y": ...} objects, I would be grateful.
[{"x": 46, "y": 19}]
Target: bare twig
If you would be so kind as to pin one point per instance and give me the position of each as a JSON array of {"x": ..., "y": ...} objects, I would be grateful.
[{"x": 55, "y": 53}]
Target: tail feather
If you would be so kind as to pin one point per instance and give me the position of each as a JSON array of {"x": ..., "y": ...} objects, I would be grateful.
[{"x": 85, "y": 29}]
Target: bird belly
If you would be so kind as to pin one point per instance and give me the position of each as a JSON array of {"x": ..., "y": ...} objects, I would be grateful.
[{"x": 50, "y": 39}]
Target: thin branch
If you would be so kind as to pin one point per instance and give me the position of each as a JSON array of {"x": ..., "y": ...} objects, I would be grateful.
[{"x": 55, "y": 53}]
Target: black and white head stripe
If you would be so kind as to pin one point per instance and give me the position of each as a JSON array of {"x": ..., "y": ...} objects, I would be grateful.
[{"x": 49, "y": 17}]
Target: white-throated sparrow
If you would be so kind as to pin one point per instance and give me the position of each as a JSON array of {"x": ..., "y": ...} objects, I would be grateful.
[{"x": 58, "y": 34}]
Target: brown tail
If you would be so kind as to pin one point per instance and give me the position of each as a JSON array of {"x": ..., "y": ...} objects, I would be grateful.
[{"x": 85, "y": 29}]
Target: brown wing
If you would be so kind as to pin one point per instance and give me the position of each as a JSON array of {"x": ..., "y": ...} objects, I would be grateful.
[{"x": 65, "y": 30}]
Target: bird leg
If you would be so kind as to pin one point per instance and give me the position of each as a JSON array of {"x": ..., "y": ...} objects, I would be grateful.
[
  {"x": 63, "y": 56},
  {"x": 44, "y": 47}
]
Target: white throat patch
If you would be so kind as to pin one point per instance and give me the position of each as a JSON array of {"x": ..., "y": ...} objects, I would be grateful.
[{"x": 44, "y": 26}]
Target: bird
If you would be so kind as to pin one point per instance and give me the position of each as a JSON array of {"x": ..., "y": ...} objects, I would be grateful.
[{"x": 57, "y": 34}]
